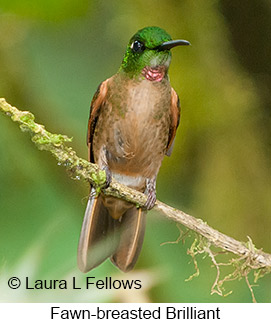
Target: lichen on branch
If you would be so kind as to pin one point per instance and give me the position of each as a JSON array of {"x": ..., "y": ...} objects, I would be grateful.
[
  {"x": 55, "y": 144},
  {"x": 248, "y": 257}
]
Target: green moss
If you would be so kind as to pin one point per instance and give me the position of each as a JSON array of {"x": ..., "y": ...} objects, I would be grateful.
[
  {"x": 99, "y": 179},
  {"x": 50, "y": 139},
  {"x": 27, "y": 117}
]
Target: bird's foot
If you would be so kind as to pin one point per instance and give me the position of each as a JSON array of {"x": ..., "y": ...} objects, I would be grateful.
[
  {"x": 151, "y": 193},
  {"x": 108, "y": 174}
]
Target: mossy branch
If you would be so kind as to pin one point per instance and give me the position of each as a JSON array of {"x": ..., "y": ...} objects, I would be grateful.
[{"x": 249, "y": 258}]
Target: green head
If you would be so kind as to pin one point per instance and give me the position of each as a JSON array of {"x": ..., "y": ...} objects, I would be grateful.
[{"x": 148, "y": 54}]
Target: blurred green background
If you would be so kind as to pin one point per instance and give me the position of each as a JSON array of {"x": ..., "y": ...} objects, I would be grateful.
[{"x": 53, "y": 55}]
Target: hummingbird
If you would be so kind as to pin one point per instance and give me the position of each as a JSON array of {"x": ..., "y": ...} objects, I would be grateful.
[{"x": 133, "y": 120}]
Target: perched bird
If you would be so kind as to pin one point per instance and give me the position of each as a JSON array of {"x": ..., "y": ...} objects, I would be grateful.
[{"x": 133, "y": 120}]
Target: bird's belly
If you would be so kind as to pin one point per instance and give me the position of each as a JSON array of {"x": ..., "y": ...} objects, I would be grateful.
[{"x": 137, "y": 147}]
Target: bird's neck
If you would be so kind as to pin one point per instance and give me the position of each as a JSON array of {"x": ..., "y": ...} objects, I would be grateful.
[{"x": 152, "y": 74}]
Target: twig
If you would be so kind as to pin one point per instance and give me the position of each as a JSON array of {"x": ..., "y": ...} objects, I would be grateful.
[
  {"x": 181, "y": 237},
  {"x": 250, "y": 288},
  {"x": 82, "y": 169},
  {"x": 215, "y": 288}
]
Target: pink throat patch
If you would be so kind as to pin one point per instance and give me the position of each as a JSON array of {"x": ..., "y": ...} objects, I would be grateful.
[{"x": 155, "y": 74}]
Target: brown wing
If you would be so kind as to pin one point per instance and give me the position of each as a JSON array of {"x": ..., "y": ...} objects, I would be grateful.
[
  {"x": 175, "y": 119},
  {"x": 95, "y": 107}
]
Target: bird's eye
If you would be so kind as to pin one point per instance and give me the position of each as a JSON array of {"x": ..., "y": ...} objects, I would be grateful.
[{"x": 137, "y": 46}]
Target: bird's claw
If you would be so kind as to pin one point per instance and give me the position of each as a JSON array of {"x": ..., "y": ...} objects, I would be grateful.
[
  {"x": 108, "y": 174},
  {"x": 151, "y": 194},
  {"x": 151, "y": 199}
]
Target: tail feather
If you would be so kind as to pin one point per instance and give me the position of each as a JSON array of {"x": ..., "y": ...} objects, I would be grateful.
[
  {"x": 132, "y": 233},
  {"x": 98, "y": 239},
  {"x": 103, "y": 237}
]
